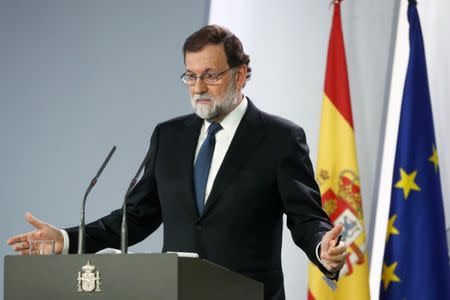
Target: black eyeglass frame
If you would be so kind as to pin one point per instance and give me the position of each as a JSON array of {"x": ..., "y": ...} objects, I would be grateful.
[{"x": 215, "y": 77}]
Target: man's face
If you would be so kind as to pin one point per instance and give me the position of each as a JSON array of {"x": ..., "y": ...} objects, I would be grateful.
[{"x": 211, "y": 102}]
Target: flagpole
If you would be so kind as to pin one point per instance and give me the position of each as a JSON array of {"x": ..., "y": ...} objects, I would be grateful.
[{"x": 381, "y": 218}]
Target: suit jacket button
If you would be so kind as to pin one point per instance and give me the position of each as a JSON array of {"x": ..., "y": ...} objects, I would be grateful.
[{"x": 198, "y": 228}]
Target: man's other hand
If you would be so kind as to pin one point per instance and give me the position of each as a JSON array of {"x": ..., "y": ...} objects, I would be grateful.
[{"x": 332, "y": 255}]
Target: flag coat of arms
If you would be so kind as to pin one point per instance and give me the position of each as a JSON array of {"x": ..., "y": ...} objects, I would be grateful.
[{"x": 338, "y": 177}]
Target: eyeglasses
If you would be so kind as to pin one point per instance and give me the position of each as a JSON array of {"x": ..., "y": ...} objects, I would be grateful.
[{"x": 207, "y": 78}]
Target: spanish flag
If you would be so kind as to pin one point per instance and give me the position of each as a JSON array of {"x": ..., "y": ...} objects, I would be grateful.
[{"x": 338, "y": 177}]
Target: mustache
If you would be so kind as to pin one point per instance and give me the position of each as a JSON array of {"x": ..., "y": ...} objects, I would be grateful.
[{"x": 196, "y": 97}]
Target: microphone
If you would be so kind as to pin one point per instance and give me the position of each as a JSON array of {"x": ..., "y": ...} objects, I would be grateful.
[
  {"x": 81, "y": 233},
  {"x": 124, "y": 229}
]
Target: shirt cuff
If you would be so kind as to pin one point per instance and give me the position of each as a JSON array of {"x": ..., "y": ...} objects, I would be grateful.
[
  {"x": 65, "y": 249},
  {"x": 317, "y": 252},
  {"x": 328, "y": 274}
]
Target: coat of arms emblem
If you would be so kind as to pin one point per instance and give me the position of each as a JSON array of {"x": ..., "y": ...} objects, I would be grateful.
[
  {"x": 88, "y": 279},
  {"x": 341, "y": 199}
]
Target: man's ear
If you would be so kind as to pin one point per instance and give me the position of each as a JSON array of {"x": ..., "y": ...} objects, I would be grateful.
[{"x": 241, "y": 76}]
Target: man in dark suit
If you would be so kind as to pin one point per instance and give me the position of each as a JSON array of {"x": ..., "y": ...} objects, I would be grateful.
[{"x": 220, "y": 179}]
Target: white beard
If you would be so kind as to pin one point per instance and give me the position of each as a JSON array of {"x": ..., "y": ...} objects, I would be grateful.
[{"x": 214, "y": 108}]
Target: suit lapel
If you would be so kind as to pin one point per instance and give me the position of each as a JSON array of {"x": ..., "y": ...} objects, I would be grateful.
[
  {"x": 246, "y": 139},
  {"x": 189, "y": 140}
]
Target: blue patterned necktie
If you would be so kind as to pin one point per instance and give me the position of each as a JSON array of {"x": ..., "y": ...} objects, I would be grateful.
[{"x": 203, "y": 163}]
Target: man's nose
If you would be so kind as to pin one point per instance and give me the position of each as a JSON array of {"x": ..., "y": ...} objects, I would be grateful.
[{"x": 199, "y": 86}]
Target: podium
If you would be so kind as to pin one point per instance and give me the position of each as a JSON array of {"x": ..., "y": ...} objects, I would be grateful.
[{"x": 129, "y": 276}]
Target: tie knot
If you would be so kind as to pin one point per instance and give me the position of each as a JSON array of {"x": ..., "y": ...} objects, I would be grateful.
[{"x": 214, "y": 128}]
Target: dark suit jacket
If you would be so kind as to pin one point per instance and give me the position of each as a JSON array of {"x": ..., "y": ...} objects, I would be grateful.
[{"x": 266, "y": 173}]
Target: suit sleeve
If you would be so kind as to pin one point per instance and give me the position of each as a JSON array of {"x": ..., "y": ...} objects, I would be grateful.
[
  {"x": 143, "y": 213},
  {"x": 300, "y": 196}
]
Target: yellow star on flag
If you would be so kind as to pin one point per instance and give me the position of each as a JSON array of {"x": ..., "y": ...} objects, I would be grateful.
[
  {"x": 391, "y": 229},
  {"x": 407, "y": 182},
  {"x": 388, "y": 275},
  {"x": 434, "y": 158}
]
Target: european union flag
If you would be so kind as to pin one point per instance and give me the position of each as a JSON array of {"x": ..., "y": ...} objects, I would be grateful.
[{"x": 416, "y": 255}]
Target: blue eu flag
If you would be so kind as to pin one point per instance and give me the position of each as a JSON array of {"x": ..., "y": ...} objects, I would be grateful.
[{"x": 416, "y": 262}]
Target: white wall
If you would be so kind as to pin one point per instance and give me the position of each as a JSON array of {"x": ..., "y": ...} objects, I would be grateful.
[{"x": 436, "y": 34}]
